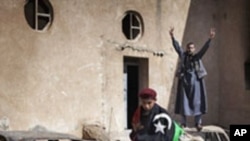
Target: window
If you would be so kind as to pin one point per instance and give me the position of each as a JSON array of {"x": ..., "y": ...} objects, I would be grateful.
[
  {"x": 247, "y": 75},
  {"x": 132, "y": 25},
  {"x": 39, "y": 14}
]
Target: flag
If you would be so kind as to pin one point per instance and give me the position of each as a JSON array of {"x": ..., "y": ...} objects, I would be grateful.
[{"x": 156, "y": 126}]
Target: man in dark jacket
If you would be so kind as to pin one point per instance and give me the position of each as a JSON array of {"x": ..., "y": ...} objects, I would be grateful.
[
  {"x": 191, "y": 97},
  {"x": 151, "y": 122}
]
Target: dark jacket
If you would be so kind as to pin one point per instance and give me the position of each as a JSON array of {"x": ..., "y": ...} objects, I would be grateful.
[{"x": 148, "y": 133}]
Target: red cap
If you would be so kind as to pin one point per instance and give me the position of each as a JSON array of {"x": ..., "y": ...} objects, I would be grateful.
[{"x": 148, "y": 93}]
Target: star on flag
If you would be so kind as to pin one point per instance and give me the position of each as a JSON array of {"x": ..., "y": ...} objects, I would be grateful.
[{"x": 159, "y": 127}]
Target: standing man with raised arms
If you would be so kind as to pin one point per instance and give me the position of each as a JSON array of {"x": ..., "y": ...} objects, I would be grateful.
[{"x": 191, "y": 97}]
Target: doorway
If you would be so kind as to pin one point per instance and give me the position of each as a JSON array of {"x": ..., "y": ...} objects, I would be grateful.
[{"x": 135, "y": 78}]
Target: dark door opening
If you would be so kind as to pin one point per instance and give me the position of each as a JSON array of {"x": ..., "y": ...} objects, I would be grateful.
[
  {"x": 132, "y": 90},
  {"x": 135, "y": 78}
]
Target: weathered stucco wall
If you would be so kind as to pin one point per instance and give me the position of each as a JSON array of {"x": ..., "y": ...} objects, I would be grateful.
[
  {"x": 52, "y": 78},
  {"x": 73, "y": 73},
  {"x": 234, "y": 99}
]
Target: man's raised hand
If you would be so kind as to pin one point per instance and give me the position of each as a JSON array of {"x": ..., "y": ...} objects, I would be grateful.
[
  {"x": 171, "y": 31},
  {"x": 212, "y": 33}
]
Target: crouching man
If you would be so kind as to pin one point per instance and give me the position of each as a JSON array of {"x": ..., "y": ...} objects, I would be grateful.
[{"x": 151, "y": 122}]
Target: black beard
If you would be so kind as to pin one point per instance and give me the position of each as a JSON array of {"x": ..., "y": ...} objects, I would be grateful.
[{"x": 190, "y": 53}]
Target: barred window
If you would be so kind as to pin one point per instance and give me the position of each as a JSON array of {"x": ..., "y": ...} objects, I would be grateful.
[
  {"x": 39, "y": 14},
  {"x": 132, "y": 25}
]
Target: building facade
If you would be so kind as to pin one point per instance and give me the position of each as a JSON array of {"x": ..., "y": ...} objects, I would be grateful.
[{"x": 69, "y": 62}]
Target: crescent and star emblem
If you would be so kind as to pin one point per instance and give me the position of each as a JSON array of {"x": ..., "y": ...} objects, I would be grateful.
[{"x": 159, "y": 126}]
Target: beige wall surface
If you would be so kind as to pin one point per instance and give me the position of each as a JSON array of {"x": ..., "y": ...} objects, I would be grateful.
[{"x": 73, "y": 73}]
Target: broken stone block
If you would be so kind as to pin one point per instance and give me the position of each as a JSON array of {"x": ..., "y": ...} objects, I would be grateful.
[{"x": 94, "y": 132}]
